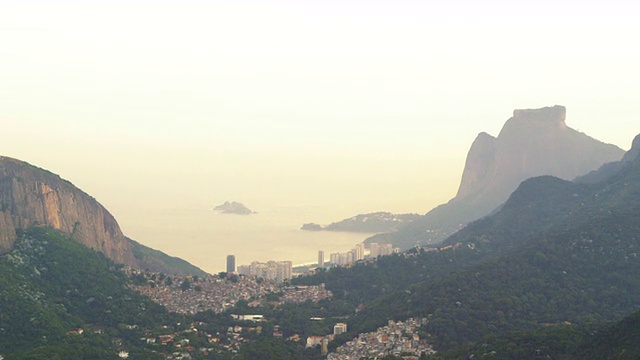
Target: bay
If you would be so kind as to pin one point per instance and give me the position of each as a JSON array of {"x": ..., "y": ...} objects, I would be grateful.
[{"x": 203, "y": 237}]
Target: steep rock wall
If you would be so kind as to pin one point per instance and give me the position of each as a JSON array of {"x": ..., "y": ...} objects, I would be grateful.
[
  {"x": 31, "y": 196},
  {"x": 534, "y": 142}
]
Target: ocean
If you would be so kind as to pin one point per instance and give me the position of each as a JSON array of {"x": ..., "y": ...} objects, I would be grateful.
[{"x": 205, "y": 238}]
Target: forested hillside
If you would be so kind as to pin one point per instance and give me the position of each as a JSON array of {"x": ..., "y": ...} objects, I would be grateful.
[
  {"x": 51, "y": 286},
  {"x": 557, "y": 252}
]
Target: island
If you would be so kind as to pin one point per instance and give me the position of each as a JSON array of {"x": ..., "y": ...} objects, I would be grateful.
[
  {"x": 232, "y": 207},
  {"x": 378, "y": 222},
  {"x": 311, "y": 227}
]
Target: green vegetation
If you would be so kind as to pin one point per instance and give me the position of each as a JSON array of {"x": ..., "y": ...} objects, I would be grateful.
[
  {"x": 50, "y": 287},
  {"x": 561, "y": 342},
  {"x": 618, "y": 342},
  {"x": 62, "y": 300},
  {"x": 556, "y": 342},
  {"x": 269, "y": 348},
  {"x": 556, "y": 252},
  {"x": 158, "y": 261}
]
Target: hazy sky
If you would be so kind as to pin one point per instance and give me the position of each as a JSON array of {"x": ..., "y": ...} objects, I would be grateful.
[{"x": 364, "y": 105}]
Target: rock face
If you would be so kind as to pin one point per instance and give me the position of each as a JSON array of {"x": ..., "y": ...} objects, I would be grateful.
[
  {"x": 30, "y": 196},
  {"x": 533, "y": 142}
]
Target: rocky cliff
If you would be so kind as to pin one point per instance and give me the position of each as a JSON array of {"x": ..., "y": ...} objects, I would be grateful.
[
  {"x": 30, "y": 196},
  {"x": 533, "y": 142}
]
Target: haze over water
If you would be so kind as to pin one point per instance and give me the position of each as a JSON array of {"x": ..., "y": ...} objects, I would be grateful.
[
  {"x": 205, "y": 238},
  {"x": 303, "y": 111}
]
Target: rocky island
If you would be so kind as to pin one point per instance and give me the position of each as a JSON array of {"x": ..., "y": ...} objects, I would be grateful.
[
  {"x": 312, "y": 227},
  {"x": 232, "y": 207}
]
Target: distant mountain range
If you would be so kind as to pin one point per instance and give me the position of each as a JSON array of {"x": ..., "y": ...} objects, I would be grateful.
[
  {"x": 30, "y": 196},
  {"x": 532, "y": 143},
  {"x": 377, "y": 222},
  {"x": 545, "y": 275},
  {"x": 557, "y": 253}
]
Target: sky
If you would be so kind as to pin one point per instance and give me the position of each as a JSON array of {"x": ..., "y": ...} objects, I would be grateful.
[{"x": 352, "y": 106}]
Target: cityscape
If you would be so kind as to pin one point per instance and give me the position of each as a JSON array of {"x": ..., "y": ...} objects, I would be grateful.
[{"x": 279, "y": 271}]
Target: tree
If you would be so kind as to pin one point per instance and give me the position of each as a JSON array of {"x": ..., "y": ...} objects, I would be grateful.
[{"x": 186, "y": 285}]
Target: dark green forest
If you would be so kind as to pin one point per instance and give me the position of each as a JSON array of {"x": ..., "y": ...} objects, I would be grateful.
[{"x": 51, "y": 285}]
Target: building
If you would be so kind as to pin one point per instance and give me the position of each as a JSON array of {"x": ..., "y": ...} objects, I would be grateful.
[
  {"x": 359, "y": 252},
  {"x": 321, "y": 258},
  {"x": 314, "y": 340},
  {"x": 244, "y": 270},
  {"x": 334, "y": 258},
  {"x": 380, "y": 249},
  {"x": 350, "y": 257},
  {"x": 231, "y": 263},
  {"x": 277, "y": 271},
  {"x": 283, "y": 271},
  {"x": 263, "y": 270},
  {"x": 342, "y": 259},
  {"x": 339, "y": 328},
  {"x": 374, "y": 250},
  {"x": 386, "y": 249}
]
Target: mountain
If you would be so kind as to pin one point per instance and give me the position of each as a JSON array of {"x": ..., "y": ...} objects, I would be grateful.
[
  {"x": 366, "y": 223},
  {"x": 61, "y": 300},
  {"x": 30, "y": 196},
  {"x": 557, "y": 252},
  {"x": 618, "y": 341},
  {"x": 611, "y": 168},
  {"x": 232, "y": 207},
  {"x": 533, "y": 142}
]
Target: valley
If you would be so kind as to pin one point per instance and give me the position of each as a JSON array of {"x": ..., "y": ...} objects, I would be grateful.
[{"x": 552, "y": 265}]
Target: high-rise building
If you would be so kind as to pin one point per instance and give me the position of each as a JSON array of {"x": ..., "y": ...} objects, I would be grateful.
[
  {"x": 321, "y": 258},
  {"x": 267, "y": 271},
  {"x": 283, "y": 270},
  {"x": 335, "y": 259},
  {"x": 374, "y": 250},
  {"x": 244, "y": 270},
  {"x": 231, "y": 263},
  {"x": 359, "y": 255},
  {"x": 342, "y": 259},
  {"x": 350, "y": 257},
  {"x": 386, "y": 249}
]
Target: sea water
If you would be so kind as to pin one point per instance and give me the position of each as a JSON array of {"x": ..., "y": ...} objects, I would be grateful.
[{"x": 204, "y": 238}]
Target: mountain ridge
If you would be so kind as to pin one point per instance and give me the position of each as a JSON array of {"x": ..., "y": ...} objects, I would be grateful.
[
  {"x": 533, "y": 142},
  {"x": 555, "y": 252},
  {"x": 375, "y": 222},
  {"x": 31, "y": 196}
]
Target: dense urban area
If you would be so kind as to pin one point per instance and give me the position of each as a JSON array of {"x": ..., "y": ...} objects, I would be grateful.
[{"x": 267, "y": 284}]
